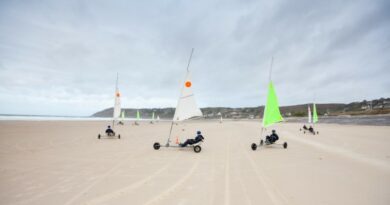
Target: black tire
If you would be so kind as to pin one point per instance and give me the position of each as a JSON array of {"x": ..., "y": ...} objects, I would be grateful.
[
  {"x": 261, "y": 142},
  {"x": 99, "y": 136},
  {"x": 285, "y": 145},
  {"x": 156, "y": 146},
  {"x": 304, "y": 132},
  {"x": 254, "y": 146},
  {"x": 119, "y": 136},
  {"x": 318, "y": 133},
  {"x": 300, "y": 129},
  {"x": 197, "y": 148}
]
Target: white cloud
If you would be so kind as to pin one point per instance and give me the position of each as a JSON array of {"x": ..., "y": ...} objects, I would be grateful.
[{"x": 61, "y": 57}]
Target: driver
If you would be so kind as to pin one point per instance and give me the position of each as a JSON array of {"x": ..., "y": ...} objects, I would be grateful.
[
  {"x": 272, "y": 138},
  {"x": 109, "y": 131},
  {"x": 197, "y": 139},
  {"x": 311, "y": 129},
  {"x": 304, "y": 127}
]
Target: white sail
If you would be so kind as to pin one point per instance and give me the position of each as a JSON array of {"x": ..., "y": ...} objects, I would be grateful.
[
  {"x": 123, "y": 115},
  {"x": 117, "y": 105},
  {"x": 186, "y": 105},
  {"x": 308, "y": 114}
]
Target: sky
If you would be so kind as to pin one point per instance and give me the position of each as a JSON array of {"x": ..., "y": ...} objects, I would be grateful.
[{"x": 62, "y": 57}]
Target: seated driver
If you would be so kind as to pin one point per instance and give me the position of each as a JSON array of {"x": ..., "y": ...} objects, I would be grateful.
[
  {"x": 109, "y": 131},
  {"x": 272, "y": 138},
  {"x": 311, "y": 129},
  {"x": 197, "y": 139},
  {"x": 304, "y": 127}
]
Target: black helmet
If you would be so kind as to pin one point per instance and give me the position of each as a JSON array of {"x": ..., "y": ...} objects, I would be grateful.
[
  {"x": 109, "y": 126},
  {"x": 273, "y": 131},
  {"x": 198, "y": 132}
]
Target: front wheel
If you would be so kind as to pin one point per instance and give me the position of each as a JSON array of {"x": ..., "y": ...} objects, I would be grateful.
[
  {"x": 261, "y": 142},
  {"x": 285, "y": 145},
  {"x": 99, "y": 136},
  {"x": 119, "y": 136},
  {"x": 197, "y": 149},
  {"x": 254, "y": 146},
  {"x": 156, "y": 146}
]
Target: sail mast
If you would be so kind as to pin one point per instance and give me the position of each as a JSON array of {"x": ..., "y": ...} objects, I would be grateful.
[
  {"x": 178, "y": 101},
  {"x": 271, "y": 113},
  {"x": 116, "y": 100},
  {"x": 269, "y": 80},
  {"x": 270, "y": 69}
]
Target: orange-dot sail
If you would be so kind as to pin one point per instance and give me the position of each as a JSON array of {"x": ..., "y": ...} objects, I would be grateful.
[{"x": 188, "y": 84}]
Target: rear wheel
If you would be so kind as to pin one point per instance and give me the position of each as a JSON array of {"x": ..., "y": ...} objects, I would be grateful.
[
  {"x": 156, "y": 146},
  {"x": 99, "y": 136},
  {"x": 261, "y": 142},
  {"x": 285, "y": 145},
  {"x": 197, "y": 148},
  {"x": 119, "y": 136},
  {"x": 254, "y": 146}
]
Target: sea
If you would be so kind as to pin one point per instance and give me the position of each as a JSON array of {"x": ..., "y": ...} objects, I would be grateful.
[{"x": 53, "y": 118}]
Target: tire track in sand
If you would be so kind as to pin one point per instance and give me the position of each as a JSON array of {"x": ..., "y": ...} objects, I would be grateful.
[
  {"x": 340, "y": 151},
  {"x": 115, "y": 168},
  {"x": 214, "y": 172},
  {"x": 274, "y": 194},
  {"x": 242, "y": 184},
  {"x": 131, "y": 187},
  {"x": 171, "y": 189},
  {"x": 227, "y": 172}
]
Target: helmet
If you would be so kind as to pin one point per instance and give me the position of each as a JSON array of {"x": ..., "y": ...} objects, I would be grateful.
[
  {"x": 273, "y": 131},
  {"x": 198, "y": 132},
  {"x": 109, "y": 126}
]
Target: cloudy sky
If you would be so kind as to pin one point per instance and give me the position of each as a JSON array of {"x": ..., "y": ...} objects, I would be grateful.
[{"x": 61, "y": 57}]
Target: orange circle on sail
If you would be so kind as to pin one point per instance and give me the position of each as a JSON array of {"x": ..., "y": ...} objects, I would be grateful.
[
  {"x": 118, "y": 94},
  {"x": 188, "y": 84}
]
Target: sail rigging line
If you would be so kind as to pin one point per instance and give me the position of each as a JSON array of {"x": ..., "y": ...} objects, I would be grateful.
[
  {"x": 269, "y": 80},
  {"x": 188, "y": 66},
  {"x": 116, "y": 93}
]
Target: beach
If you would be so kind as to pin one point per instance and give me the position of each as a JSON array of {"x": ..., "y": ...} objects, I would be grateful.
[{"x": 63, "y": 162}]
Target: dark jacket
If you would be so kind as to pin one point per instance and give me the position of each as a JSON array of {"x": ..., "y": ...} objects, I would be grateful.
[
  {"x": 274, "y": 137},
  {"x": 199, "y": 138}
]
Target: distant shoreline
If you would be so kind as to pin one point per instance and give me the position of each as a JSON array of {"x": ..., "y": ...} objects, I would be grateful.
[{"x": 374, "y": 120}]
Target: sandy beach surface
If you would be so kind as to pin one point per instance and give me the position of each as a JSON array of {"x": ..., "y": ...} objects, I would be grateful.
[{"x": 63, "y": 162}]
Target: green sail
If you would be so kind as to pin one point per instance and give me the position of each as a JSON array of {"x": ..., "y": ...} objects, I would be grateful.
[
  {"x": 123, "y": 115},
  {"x": 271, "y": 111},
  {"x": 138, "y": 115},
  {"x": 153, "y": 116},
  {"x": 315, "y": 116}
]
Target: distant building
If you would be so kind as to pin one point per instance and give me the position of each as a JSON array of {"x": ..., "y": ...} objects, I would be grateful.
[{"x": 365, "y": 107}]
